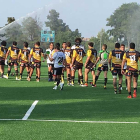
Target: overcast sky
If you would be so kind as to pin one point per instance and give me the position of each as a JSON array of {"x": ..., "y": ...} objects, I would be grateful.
[{"x": 89, "y": 16}]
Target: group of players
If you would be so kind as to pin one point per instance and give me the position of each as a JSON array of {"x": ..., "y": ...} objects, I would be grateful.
[{"x": 70, "y": 58}]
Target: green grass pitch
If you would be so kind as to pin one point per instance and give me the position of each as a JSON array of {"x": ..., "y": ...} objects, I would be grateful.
[{"x": 73, "y": 103}]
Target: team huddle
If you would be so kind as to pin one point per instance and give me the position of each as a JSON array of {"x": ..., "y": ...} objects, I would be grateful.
[{"x": 70, "y": 58}]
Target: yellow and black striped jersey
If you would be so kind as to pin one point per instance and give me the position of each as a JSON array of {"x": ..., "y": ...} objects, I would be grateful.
[
  {"x": 36, "y": 52},
  {"x": 92, "y": 53},
  {"x": 116, "y": 56},
  {"x": 24, "y": 55},
  {"x": 13, "y": 51},
  {"x": 68, "y": 55},
  {"x": 78, "y": 54},
  {"x": 132, "y": 56},
  {"x": 3, "y": 52}
]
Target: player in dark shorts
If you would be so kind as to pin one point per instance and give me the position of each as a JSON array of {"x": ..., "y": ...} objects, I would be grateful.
[
  {"x": 131, "y": 59},
  {"x": 91, "y": 59},
  {"x": 103, "y": 65},
  {"x": 115, "y": 61},
  {"x": 3, "y": 51},
  {"x": 23, "y": 57}
]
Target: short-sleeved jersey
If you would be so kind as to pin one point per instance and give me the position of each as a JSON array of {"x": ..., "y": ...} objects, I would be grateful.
[
  {"x": 36, "y": 52},
  {"x": 68, "y": 55},
  {"x": 132, "y": 56},
  {"x": 92, "y": 53},
  {"x": 24, "y": 55},
  {"x": 58, "y": 59},
  {"x": 116, "y": 56},
  {"x": 104, "y": 56},
  {"x": 14, "y": 51},
  {"x": 3, "y": 52},
  {"x": 78, "y": 54},
  {"x": 50, "y": 55}
]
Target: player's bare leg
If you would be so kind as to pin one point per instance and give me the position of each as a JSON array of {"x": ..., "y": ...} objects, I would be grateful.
[
  {"x": 30, "y": 75},
  {"x": 105, "y": 80},
  {"x": 115, "y": 84},
  {"x": 129, "y": 79},
  {"x": 50, "y": 68},
  {"x": 86, "y": 77},
  {"x": 68, "y": 76},
  {"x": 2, "y": 70},
  {"x": 81, "y": 76},
  {"x": 93, "y": 77},
  {"x": 38, "y": 74},
  {"x": 21, "y": 71},
  {"x": 120, "y": 83},
  {"x": 135, "y": 83},
  {"x": 72, "y": 77},
  {"x": 28, "y": 71}
]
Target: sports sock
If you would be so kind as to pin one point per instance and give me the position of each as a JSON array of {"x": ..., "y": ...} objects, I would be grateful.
[
  {"x": 49, "y": 74},
  {"x": 105, "y": 81},
  {"x": 58, "y": 82},
  {"x": 72, "y": 79},
  {"x": 62, "y": 78},
  {"x": 129, "y": 93},
  {"x": 16, "y": 71},
  {"x": 81, "y": 79},
  {"x": 69, "y": 78},
  {"x": 96, "y": 79},
  {"x": 126, "y": 82},
  {"x": 8, "y": 72}
]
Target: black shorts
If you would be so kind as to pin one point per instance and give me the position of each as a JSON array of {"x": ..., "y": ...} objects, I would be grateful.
[
  {"x": 103, "y": 68},
  {"x": 36, "y": 64},
  {"x": 132, "y": 73},
  {"x": 77, "y": 66},
  {"x": 24, "y": 64},
  {"x": 2, "y": 62},
  {"x": 13, "y": 63},
  {"x": 50, "y": 65},
  {"x": 116, "y": 72},
  {"x": 68, "y": 66},
  {"x": 57, "y": 71},
  {"x": 90, "y": 66}
]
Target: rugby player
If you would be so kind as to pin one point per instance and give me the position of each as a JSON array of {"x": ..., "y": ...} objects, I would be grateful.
[
  {"x": 59, "y": 59},
  {"x": 23, "y": 58},
  {"x": 116, "y": 57},
  {"x": 68, "y": 55},
  {"x": 49, "y": 63},
  {"x": 13, "y": 51},
  {"x": 36, "y": 53},
  {"x": 122, "y": 48},
  {"x": 78, "y": 42},
  {"x": 131, "y": 58},
  {"x": 103, "y": 65},
  {"x": 77, "y": 63},
  {"x": 3, "y": 51},
  {"x": 91, "y": 59}
]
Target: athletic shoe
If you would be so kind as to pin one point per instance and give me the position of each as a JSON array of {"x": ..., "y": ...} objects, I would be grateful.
[
  {"x": 68, "y": 84},
  {"x": 134, "y": 94},
  {"x": 55, "y": 83},
  {"x": 93, "y": 85},
  {"x": 130, "y": 96},
  {"x": 85, "y": 85},
  {"x": 37, "y": 80},
  {"x": 72, "y": 85},
  {"x": 28, "y": 79},
  {"x": 17, "y": 79},
  {"x": 82, "y": 85},
  {"x": 104, "y": 87},
  {"x": 55, "y": 88},
  {"x": 115, "y": 92},
  {"x": 61, "y": 86},
  {"x": 120, "y": 90},
  {"x": 126, "y": 88},
  {"x": 4, "y": 76}
]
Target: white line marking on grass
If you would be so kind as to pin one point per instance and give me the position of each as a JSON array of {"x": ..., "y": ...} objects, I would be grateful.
[
  {"x": 70, "y": 121},
  {"x": 30, "y": 110}
]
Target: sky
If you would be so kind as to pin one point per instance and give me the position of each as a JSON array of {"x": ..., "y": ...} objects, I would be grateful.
[{"x": 89, "y": 16}]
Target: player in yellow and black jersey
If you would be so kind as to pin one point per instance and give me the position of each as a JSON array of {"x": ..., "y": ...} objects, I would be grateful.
[
  {"x": 3, "y": 51},
  {"x": 131, "y": 59},
  {"x": 68, "y": 55},
  {"x": 36, "y": 53},
  {"x": 91, "y": 59},
  {"x": 116, "y": 57},
  {"x": 24, "y": 59},
  {"x": 77, "y": 64},
  {"x": 13, "y": 52}
]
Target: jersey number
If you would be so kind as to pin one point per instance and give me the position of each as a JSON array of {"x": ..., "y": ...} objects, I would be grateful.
[
  {"x": 81, "y": 53},
  {"x": 60, "y": 60},
  {"x": 67, "y": 53},
  {"x": 133, "y": 58},
  {"x": 118, "y": 56}
]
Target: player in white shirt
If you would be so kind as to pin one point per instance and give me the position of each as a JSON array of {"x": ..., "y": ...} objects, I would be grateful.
[
  {"x": 59, "y": 60},
  {"x": 50, "y": 63}
]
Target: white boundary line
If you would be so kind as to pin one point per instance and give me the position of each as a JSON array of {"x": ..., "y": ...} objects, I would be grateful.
[
  {"x": 71, "y": 121},
  {"x": 28, "y": 113}
]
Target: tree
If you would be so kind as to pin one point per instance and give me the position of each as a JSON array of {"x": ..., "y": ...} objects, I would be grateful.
[{"x": 119, "y": 21}]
